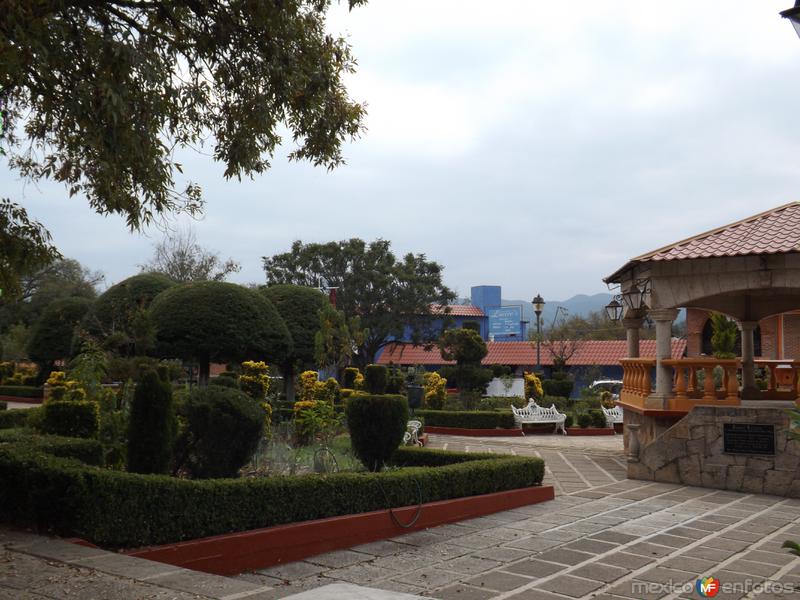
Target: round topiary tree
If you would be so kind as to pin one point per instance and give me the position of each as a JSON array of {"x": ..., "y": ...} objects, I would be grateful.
[
  {"x": 54, "y": 331},
  {"x": 152, "y": 426},
  {"x": 216, "y": 321},
  {"x": 223, "y": 428},
  {"x": 119, "y": 314},
  {"x": 299, "y": 307},
  {"x": 377, "y": 425}
]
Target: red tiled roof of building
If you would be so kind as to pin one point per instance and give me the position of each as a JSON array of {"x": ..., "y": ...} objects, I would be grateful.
[
  {"x": 458, "y": 310},
  {"x": 773, "y": 232},
  {"x": 589, "y": 352}
]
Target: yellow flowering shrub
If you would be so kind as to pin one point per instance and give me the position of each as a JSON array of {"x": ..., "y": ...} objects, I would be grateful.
[
  {"x": 358, "y": 383},
  {"x": 533, "y": 386},
  {"x": 62, "y": 388},
  {"x": 307, "y": 386},
  {"x": 254, "y": 381},
  {"x": 435, "y": 387}
]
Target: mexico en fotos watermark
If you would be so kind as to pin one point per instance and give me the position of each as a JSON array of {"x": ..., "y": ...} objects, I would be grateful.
[{"x": 708, "y": 587}]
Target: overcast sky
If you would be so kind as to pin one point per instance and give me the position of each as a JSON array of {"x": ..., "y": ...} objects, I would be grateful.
[{"x": 534, "y": 145}]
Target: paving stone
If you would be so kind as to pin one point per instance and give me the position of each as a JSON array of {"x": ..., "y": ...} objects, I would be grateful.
[
  {"x": 627, "y": 560},
  {"x": 570, "y": 586},
  {"x": 728, "y": 544},
  {"x": 293, "y": 570},
  {"x": 690, "y": 565},
  {"x": 461, "y": 592},
  {"x": 565, "y": 557},
  {"x": 672, "y": 541},
  {"x": 635, "y": 588},
  {"x": 648, "y": 549},
  {"x": 499, "y": 581},
  {"x": 689, "y": 532},
  {"x": 429, "y": 578},
  {"x": 663, "y": 575},
  {"x": 361, "y": 574},
  {"x": 534, "y": 568},
  {"x": 381, "y": 548},
  {"x": 591, "y": 546},
  {"x": 338, "y": 559},
  {"x": 600, "y": 572},
  {"x": 534, "y": 594},
  {"x": 709, "y": 553},
  {"x": 212, "y": 586},
  {"x": 535, "y": 543},
  {"x": 470, "y": 565},
  {"x": 613, "y": 537},
  {"x": 501, "y": 554},
  {"x": 127, "y": 566},
  {"x": 752, "y": 568},
  {"x": 771, "y": 558}
]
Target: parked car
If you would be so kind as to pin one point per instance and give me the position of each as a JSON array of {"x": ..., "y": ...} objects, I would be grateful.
[{"x": 612, "y": 385}]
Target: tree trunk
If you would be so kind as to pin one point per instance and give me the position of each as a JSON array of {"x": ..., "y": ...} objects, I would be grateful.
[{"x": 204, "y": 371}]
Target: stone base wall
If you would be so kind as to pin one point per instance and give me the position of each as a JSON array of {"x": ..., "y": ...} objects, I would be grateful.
[
  {"x": 691, "y": 452},
  {"x": 649, "y": 427}
]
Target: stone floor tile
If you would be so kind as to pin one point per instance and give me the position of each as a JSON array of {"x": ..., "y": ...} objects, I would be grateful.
[
  {"x": 613, "y": 537},
  {"x": 709, "y": 553},
  {"x": 534, "y": 544},
  {"x": 600, "y": 572},
  {"x": 470, "y": 565},
  {"x": 771, "y": 558},
  {"x": 590, "y": 546},
  {"x": 627, "y": 560},
  {"x": 565, "y": 557},
  {"x": 534, "y": 594},
  {"x": 689, "y": 532},
  {"x": 195, "y": 582},
  {"x": 429, "y": 578},
  {"x": 501, "y": 554},
  {"x": 294, "y": 570},
  {"x": 570, "y": 586},
  {"x": 648, "y": 549},
  {"x": 461, "y": 592},
  {"x": 690, "y": 565},
  {"x": 361, "y": 574},
  {"x": 499, "y": 581},
  {"x": 338, "y": 559},
  {"x": 664, "y": 575},
  {"x": 672, "y": 541},
  {"x": 381, "y": 548},
  {"x": 534, "y": 567},
  {"x": 752, "y": 568}
]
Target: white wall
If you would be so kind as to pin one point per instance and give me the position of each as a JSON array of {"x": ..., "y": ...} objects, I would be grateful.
[{"x": 496, "y": 388}]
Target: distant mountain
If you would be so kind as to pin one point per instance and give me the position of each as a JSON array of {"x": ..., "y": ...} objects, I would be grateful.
[{"x": 580, "y": 305}]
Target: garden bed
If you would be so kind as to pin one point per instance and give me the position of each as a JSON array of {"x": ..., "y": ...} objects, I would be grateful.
[
  {"x": 44, "y": 484},
  {"x": 258, "y": 549}
]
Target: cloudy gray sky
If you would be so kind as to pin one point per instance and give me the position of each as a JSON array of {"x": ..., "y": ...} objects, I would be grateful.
[{"x": 530, "y": 144}]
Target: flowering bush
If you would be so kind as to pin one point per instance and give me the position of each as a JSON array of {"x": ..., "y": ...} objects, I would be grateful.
[
  {"x": 435, "y": 390},
  {"x": 307, "y": 386},
  {"x": 327, "y": 391},
  {"x": 358, "y": 383},
  {"x": 255, "y": 382},
  {"x": 533, "y": 386},
  {"x": 62, "y": 388}
]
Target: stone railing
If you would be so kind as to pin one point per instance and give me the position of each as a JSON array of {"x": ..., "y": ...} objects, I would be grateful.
[
  {"x": 637, "y": 377},
  {"x": 685, "y": 371},
  {"x": 783, "y": 381}
]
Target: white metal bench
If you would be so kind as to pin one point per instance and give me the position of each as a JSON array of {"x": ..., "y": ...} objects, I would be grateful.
[
  {"x": 533, "y": 414},
  {"x": 411, "y": 436},
  {"x": 613, "y": 415}
]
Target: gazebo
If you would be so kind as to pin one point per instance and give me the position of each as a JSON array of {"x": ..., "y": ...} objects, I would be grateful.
[{"x": 747, "y": 270}]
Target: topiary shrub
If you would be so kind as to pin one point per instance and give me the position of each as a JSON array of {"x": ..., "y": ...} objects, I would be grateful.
[
  {"x": 349, "y": 380},
  {"x": 569, "y": 421},
  {"x": 598, "y": 418},
  {"x": 584, "y": 420},
  {"x": 3, "y": 405},
  {"x": 558, "y": 387},
  {"x": 228, "y": 382},
  {"x": 394, "y": 381},
  {"x": 223, "y": 429},
  {"x": 377, "y": 424},
  {"x": 375, "y": 379},
  {"x": 152, "y": 426},
  {"x": 16, "y": 417},
  {"x": 70, "y": 418}
]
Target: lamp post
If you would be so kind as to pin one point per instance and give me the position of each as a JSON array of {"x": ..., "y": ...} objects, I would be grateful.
[
  {"x": 793, "y": 14},
  {"x": 538, "y": 307}
]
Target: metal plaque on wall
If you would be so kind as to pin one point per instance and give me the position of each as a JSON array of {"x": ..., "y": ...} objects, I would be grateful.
[{"x": 748, "y": 438}]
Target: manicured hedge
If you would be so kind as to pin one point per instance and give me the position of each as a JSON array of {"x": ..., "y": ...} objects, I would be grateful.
[
  {"x": 21, "y": 391},
  {"x": 3, "y": 405},
  {"x": 16, "y": 417},
  {"x": 468, "y": 419},
  {"x": 120, "y": 509},
  {"x": 85, "y": 450},
  {"x": 71, "y": 418}
]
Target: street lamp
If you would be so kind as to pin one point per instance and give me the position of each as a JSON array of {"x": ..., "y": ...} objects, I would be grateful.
[
  {"x": 614, "y": 310},
  {"x": 793, "y": 14},
  {"x": 538, "y": 307}
]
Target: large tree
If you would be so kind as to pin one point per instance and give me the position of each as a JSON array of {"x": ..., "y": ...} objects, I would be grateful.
[
  {"x": 53, "y": 333},
  {"x": 182, "y": 259},
  {"x": 386, "y": 293},
  {"x": 100, "y": 95},
  {"x": 217, "y": 321},
  {"x": 299, "y": 307}
]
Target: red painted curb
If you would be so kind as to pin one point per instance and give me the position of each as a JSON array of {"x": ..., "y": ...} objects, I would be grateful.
[
  {"x": 590, "y": 431},
  {"x": 474, "y": 432},
  {"x": 260, "y": 548},
  {"x": 21, "y": 399}
]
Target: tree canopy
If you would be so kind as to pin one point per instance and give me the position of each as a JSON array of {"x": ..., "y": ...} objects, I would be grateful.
[
  {"x": 386, "y": 293},
  {"x": 101, "y": 95},
  {"x": 465, "y": 346},
  {"x": 182, "y": 259},
  {"x": 53, "y": 333},
  {"x": 217, "y": 321}
]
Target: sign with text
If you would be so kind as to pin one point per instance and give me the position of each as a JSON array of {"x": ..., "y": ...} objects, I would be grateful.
[
  {"x": 748, "y": 438},
  {"x": 505, "y": 320}
]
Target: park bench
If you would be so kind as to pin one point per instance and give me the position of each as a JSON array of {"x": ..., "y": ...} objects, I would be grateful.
[
  {"x": 534, "y": 414},
  {"x": 613, "y": 415},
  {"x": 411, "y": 436}
]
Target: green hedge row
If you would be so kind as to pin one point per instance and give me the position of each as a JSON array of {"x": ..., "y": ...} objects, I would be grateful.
[
  {"x": 120, "y": 509},
  {"x": 468, "y": 419},
  {"x": 16, "y": 417},
  {"x": 21, "y": 391},
  {"x": 85, "y": 450}
]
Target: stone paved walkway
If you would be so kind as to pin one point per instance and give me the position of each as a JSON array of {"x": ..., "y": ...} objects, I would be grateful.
[{"x": 604, "y": 537}]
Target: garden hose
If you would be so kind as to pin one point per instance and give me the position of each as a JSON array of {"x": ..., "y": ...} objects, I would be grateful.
[{"x": 418, "y": 513}]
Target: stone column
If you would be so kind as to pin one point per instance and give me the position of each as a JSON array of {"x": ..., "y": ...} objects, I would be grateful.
[
  {"x": 632, "y": 327},
  {"x": 663, "y": 318},
  {"x": 750, "y": 390}
]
